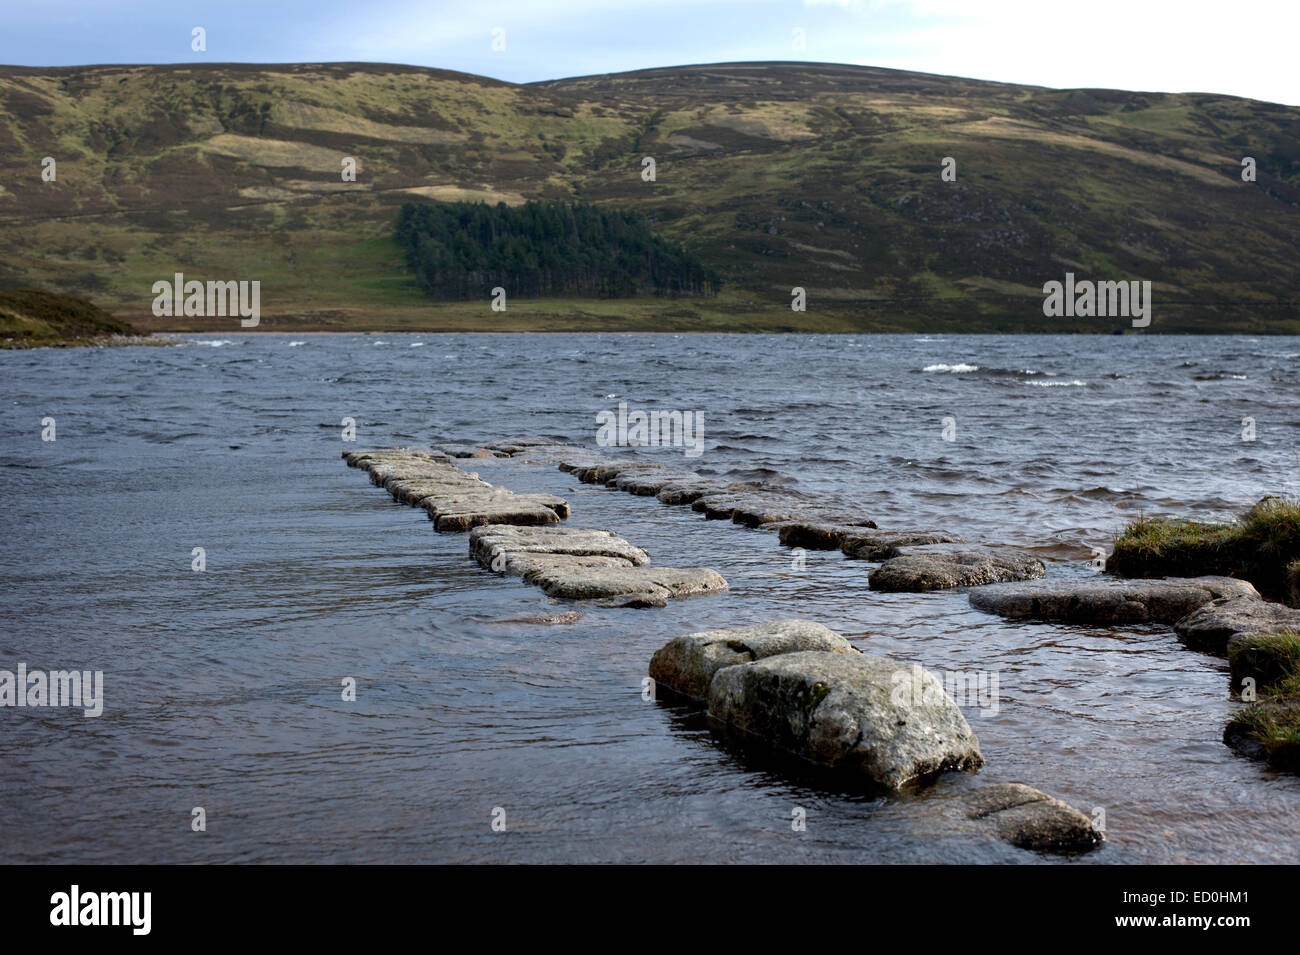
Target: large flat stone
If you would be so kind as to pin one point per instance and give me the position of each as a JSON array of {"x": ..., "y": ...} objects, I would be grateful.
[
  {"x": 647, "y": 482},
  {"x": 654, "y": 584},
  {"x": 413, "y": 490},
  {"x": 685, "y": 492},
  {"x": 486, "y": 543},
  {"x": 686, "y": 664},
  {"x": 874, "y": 719},
  {"x": 1214, "y": 625},
  {"x": 1108, "y": 600},
  {"x": 928, "y": 567},
  {"x": 521, "y": 563},
  {"x": 721, "y": 503}
]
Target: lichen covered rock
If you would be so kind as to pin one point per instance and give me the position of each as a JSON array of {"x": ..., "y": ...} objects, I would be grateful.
[
  {"x": 927, "y": 567},
  {"x": 686, "y": 664},
  {"x": 876, "y": 720}
]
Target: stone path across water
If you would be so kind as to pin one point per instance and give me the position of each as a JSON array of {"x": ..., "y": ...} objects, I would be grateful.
[
  {"x": 509, "y": 533},
  {"x": 912, "y": 560},
  {"x": 454, "y": 499}
]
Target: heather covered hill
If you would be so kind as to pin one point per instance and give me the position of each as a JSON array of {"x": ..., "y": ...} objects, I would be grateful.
[
  {"x": 773, "y": 174},
  {"x": 29, "y": 317}
]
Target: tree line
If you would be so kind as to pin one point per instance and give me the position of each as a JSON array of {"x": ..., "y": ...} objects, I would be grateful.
[{"x": 463, "y": 250}]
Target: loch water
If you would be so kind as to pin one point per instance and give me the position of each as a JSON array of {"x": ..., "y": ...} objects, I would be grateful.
[{"x": 223, "y": 688}]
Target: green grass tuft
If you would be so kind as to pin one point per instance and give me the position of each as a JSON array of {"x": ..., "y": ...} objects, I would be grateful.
[
  {"x": 1263, "y": 548},
  {"x": 1272, "y": 660}
]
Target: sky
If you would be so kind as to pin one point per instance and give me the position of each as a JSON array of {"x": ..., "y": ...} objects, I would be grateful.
[{"x": 1239, "y": 48}]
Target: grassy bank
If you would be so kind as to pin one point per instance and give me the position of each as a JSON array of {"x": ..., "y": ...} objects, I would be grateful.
[
  {"x": 1263, "y": 547},
  {"x": 1269, "y": 728}
]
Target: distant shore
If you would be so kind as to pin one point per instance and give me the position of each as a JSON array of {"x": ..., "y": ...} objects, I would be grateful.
[{"x": 724, "y": 313}]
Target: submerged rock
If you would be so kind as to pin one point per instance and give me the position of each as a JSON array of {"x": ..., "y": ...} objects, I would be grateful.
[
  {"x": 1030, "y": 819},
  {"x": 1216, "y": 624},
  {"x": 875, "y": 719},
  {"x": 925, "y": 567},
  {"x": 1107, "y": 600},
  {"x": 686, "y": 664},
  {"x": 546, "y": 619}
]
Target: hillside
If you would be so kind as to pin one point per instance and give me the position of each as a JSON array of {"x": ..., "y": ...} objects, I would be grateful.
[
  {"x": 29, "y": 317},
  {"x": 774, "y": 174}
]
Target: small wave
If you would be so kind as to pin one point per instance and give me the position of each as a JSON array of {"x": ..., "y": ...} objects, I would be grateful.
[
  {"x": 296, "y": 344},
  {"x": 211, "y": 343},
  {"x": 417, "y": 344},
  {"x": 1076, "y": 383},
  {"x": 957, "y": 369}
]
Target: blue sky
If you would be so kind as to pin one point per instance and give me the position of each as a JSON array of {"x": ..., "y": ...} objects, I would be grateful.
[{"x": 1246, "y": 49}]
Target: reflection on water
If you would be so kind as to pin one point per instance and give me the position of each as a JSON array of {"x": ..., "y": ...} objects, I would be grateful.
[{"x": 223, "y": 688}]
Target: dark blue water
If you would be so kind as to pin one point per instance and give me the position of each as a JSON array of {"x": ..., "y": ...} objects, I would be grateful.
[{"x": 223, "y": 688}]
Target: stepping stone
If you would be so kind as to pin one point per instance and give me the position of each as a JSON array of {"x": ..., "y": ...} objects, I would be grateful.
[
  {"x": 604, "y": 471},
  {"x": 757, "y": 510},
  {"x": 365, "y": 458},
  {"x": 889, "y": 544},
  {"x": 632, "y": 586},
  {"x": 724, "y": 503},
  {"x": 1107, "y": 600},
  {"x": 461, "y": 514},
  {"x": 485, "y": 543},
  {"x": 650, "y": 481},
  {"x": 1030, "y": 819},
  {"x": 413, "y": 490},
  {"x": 578, "y": 458},
  {"x": 1214, "y": 626},
  {"x": 580, "y": 564},
  {"x": 522, "y": 563},
  {"x": 469, "y": 451},
  {"x": 686, "y": 492},
  {"x": 928, "y": 567},
  {"x": 870, "y": 718},
  {"x": 455, "y": 500},
  {"x": 686, "y": 664},
  {"x": 820, "y": 534},
  {"x": 611, "y": 474}
]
